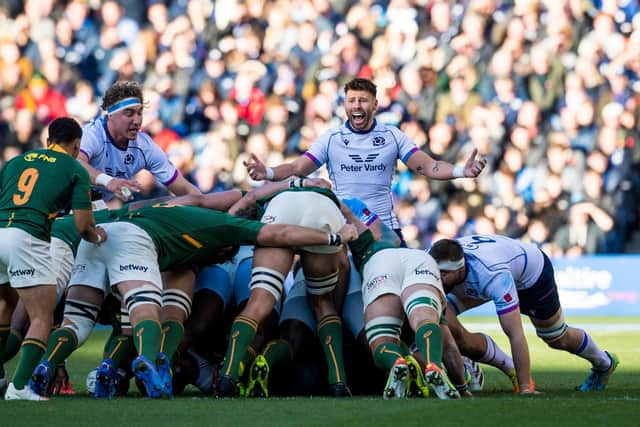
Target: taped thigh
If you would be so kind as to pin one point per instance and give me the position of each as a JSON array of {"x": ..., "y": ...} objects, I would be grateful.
[
  {"x": 268, "y": 279},
  {"x": 553, "y": 332},
  {"x": 383, "y": 326},
  {"x": 422, "y": 298},
  {"x": 177, "y": 298},
  {"x": 80, "y": 317},
  {"x": 321, "y": 285},
  {"x": 146, "y": 294}
]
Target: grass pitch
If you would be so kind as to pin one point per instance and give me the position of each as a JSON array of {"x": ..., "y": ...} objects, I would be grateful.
[{"x": 555, "y": 373}]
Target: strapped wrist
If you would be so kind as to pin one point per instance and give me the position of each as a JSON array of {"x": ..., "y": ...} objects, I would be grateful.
[
  {"x": 103, "y": 179},
  {"x": 458, "y": 171},
  {"x": 296, "y": 183},
  {"x": 269, "y": 174},
  {"x": 334, "y": 239}
]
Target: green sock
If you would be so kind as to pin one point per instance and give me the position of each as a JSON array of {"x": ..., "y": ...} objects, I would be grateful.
[
  {"x": 247, "y": 360},
  {"x": 110, "y": 343},
  {"x": 172, "y": 333},
  {"x": 62, "y": 343},
  {"x": 147, "y": 335},
  {"x": 120, "y": 349},
  {"x": 429, "y": 342},
  {"x": 277, "y": 353},
  {"x": 32, "y": 351},
  {"x": 242, "y": 333},
  {"x": 12, "y": 347},
  {"x": 330, "y": 335},
  {"x": 4, "y": 335},
  {"x": 404, "y": 349},
  {"x": 386, "y": 354}
]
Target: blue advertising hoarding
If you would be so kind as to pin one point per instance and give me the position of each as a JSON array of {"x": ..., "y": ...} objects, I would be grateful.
[{"x": 596, "y": 285}]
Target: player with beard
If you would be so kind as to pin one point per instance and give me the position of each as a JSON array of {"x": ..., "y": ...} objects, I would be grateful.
[{"x": 361, "y": 156}]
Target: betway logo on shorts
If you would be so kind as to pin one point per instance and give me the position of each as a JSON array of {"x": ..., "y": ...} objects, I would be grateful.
[
  {"x": 427, "y": 272},
  {"x": 22, "y": 272},
  {"x": 363, "y": 164},
  {"x": 134, "y": 267}
]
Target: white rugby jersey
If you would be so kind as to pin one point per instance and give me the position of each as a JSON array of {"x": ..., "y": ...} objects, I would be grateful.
[
  {"x": 497, "y": 267},
  {"x": 140, "y": 154},
  {"x": 361, "y": 164}
]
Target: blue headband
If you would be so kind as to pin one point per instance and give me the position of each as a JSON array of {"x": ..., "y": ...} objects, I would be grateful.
[{"x": 122, "y": 104}]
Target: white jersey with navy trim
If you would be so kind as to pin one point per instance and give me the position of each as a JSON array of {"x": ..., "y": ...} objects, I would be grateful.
[
  {"x": 141, "y": 153},
  {"x": 362, "y": 164},
  {"x": 497, "y": 268}
]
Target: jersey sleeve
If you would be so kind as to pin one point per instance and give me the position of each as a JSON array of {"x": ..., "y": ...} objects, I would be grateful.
[
  {"x": 159, "y": 164},
  {"x": 502, "y": 291},
  {"x": 90, "y": 143},
  {"x": 319, "y": 150},
  {"x": 81, "y": 194},
  {"x": 406, "y": 147},
  {"x": 361, "y": 211}
]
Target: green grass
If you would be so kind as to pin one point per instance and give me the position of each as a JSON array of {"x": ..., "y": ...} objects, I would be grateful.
[{"x": 555, "y": 373}]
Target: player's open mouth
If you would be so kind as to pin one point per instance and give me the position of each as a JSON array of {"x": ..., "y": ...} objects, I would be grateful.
[{"x": 358, "y": 118}]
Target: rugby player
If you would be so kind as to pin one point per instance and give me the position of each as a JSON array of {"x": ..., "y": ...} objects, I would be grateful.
[
  {"x": 34, "y": 188},
  {"x": 519, "y": 278}
]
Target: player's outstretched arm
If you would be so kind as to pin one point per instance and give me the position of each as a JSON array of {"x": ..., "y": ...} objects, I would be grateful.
[
  {"x": 181, "y": 186},
  {"x": 121, "y": 188},
  {"x": 284, "y": 235},
  {"x": 420, "y": 162},
  {"x": 302, "y": 166}
]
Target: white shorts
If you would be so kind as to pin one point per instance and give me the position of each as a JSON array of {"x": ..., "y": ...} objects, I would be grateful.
[
  {"x": 390, "y": 271},
  {"x": 62, "y": 262},
  {"x": 308, "y": 209},
  {"x": 24, "y": 260},
  {"x": 127, "y": 254}
]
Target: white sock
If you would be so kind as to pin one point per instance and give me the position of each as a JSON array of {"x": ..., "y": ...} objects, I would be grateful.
[
  {"x": 589, "y": 350},
  {"x": 494, "y": 356}
]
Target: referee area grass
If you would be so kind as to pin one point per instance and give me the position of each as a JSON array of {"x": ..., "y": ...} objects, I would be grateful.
[{"x": 556, "y": 374}]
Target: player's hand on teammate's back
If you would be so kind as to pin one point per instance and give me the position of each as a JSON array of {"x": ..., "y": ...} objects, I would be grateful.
[
  {"x": 123, "y": 188},
  {"x": 473, "y": 166},
  {"x": 348, "y": 232},
  {"x": 102, "y": 233},
  {"x": 257, "y": 170}
]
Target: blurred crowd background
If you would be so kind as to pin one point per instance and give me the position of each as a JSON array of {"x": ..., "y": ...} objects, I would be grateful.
[{"x": 546, "y": 90}]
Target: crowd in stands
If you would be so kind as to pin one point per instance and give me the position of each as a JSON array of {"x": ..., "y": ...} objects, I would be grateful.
[{"x": 547, "y": 90}]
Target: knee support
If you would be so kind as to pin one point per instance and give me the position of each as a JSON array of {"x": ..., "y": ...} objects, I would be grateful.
[
  {"x": 553, "y": 332},
  {"x": 321, "y": 285},
  {"x": 422, "y": 298},
  {"x": 383, "y": 326},
  {"x": 146, "y": 294},
  {"x": 80, "y": 317},
  {"x": 177, "y": 298},
  {"x": 125, "y": 321},
  {"x": 269, "y": 280}
]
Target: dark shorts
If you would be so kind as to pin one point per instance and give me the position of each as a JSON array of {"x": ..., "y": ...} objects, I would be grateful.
[{"x": 541, "y": 300}]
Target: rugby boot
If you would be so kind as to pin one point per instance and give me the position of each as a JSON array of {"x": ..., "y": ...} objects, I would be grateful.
[
  {"x": 398, "y": 380},
  {"x": 257, "y": 386},
  {"x": 439, "y": 383},
  {"x": 597, "y": 380}
]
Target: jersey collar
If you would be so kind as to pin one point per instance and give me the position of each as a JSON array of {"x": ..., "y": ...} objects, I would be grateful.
[
  {"x": 362, "y": 132},
  {"x": 103, "y": 119},
  {"x": 57, "y": 148}
]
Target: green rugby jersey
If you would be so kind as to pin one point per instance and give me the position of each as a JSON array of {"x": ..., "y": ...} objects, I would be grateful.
[
  {"x": 262, "y": 203},
  {"x": 64, "y": 228},
  {"x": 187, "y": 235},
  {"x": 363, "y": 248},
  {"x": 37, "y": 185}
]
